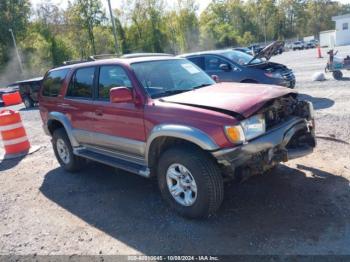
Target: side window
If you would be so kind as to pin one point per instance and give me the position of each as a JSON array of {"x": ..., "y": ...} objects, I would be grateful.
[
  {"x": 345, "y": 26},
  {"x": 82, "y": 82},
  {"x": 199, "y": 61},
  {"x": 212, "y": 63},
  {"x": 53, "y": 82},
  {"x": 111, "y": 76}
]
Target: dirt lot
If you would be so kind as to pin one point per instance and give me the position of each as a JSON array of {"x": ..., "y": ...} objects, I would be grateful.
[{"x": 300, "y": 208}]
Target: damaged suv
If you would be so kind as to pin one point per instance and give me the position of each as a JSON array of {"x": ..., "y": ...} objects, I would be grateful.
[{"x": 163, "y": 117}]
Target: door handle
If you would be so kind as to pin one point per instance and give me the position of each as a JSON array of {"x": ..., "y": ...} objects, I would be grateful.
[{"x": 99, "y": 112}]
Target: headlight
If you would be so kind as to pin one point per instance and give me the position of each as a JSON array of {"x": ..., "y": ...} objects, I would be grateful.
[
  {"x": 246, "y": 130},
  {"x": 273, "y": 74}
]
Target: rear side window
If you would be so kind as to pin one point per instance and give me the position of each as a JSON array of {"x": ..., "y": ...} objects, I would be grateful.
[
  {"x": 53, "y": 82},
  {"x": 82, "y": 82},
  {"x": 199, "y": 61},
  {"x": 111, "y": 76}
]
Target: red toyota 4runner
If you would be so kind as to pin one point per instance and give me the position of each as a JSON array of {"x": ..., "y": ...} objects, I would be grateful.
[{"x": 163, "y": 116}]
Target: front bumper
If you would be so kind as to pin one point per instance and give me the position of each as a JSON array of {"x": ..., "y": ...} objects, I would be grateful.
[{"x": 291, "y": 139}]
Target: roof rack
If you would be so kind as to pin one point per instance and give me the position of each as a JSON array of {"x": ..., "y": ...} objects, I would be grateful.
[
  {"x": 102, "y": 56},
  {"x": 90, "y": 58},
  {"x": 106, "y": 56},
  {"x": 136, "y": 55},
  {"x": 73, "y": 62}
]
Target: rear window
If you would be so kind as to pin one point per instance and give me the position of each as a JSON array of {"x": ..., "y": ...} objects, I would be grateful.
[{"x": 53, "y": 82}]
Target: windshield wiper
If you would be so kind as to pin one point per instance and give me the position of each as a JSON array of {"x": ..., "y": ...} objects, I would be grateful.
[
  {"x": 178, "y": 91},
  {"x": 202, "y": 85},
  {"x": 171, "y": 92}
]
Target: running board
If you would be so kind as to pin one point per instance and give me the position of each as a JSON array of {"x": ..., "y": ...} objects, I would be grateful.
[{"x": 114, "y": 162}]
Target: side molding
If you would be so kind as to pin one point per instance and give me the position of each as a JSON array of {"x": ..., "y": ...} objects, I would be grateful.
[
  {"x": 67, "y": 126},
  {"x": 188, "y": 133}
]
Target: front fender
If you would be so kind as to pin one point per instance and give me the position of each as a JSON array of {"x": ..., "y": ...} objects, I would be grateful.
[{"x": 190, "y": 134}]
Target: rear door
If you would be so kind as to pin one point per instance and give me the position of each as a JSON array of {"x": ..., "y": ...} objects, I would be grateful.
[{"x": 78, "y": 103}]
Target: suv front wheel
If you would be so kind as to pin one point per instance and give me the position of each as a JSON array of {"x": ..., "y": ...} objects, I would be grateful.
[
  {"x": 64, "y": 151},
  {"x": 190, "y": 181}
]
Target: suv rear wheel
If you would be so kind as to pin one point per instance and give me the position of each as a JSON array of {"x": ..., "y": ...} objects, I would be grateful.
[
  {"x": 190, "y": 181},
  {"x": 64, "y": 151}
]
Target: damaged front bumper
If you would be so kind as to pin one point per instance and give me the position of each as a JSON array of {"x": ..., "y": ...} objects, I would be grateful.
[{"x": 291, "y": 139}]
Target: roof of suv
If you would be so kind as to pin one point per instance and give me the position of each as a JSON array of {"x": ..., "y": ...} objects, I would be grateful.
[{"x": 126, "y": 61}]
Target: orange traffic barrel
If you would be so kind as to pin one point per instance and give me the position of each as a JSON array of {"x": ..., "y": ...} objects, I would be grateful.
[
  {"x": 12, "y": 99},
  {"x": 13, "y": 134},
  {"x": 319, "y": 54}
]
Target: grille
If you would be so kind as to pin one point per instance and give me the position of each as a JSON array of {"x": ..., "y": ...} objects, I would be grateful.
[
  {"x": 288, "y": 75},
  {"x": 279, "y": 111}
]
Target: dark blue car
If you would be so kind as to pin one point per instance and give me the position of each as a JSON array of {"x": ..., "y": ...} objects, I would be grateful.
[{"x": 236, "y": 66}]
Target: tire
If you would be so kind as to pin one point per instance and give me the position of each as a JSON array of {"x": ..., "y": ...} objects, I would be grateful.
[
  {"x": 28, "y": 102},
  {"x": 337, "y": 75},
  {"x": 204, "y": 172},
  {"x": 60, "y": 142}
]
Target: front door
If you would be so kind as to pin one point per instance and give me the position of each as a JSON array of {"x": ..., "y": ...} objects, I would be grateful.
[
  {"x": 119, "y": 126},
  {"x": 212, "y": 67}
]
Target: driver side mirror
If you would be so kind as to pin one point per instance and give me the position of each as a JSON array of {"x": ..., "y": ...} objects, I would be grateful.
[
  {"x": 120, "y": 94},
  {"x": 225, "y": 67}
]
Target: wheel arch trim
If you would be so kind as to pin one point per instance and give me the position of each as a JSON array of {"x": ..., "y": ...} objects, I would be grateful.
[
  {"x": 63, "y": 119},
  {"x": 190, "y": 134}
]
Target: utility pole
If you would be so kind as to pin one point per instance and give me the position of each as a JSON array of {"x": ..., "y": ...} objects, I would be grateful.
[
  {"x": 265, "y": 28},
  {"x": 15, "y": 45},
  {"x": 114, "y": 29}
]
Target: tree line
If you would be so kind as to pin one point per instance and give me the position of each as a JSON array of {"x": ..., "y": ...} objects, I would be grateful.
[{"x": 48, "y": 35}]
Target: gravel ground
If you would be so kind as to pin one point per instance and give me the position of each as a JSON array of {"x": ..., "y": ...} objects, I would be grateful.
[{"x": 301, "y": 208}]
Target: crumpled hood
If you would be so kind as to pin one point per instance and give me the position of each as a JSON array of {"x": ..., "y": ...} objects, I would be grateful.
[{"x": 238, "y": 98}]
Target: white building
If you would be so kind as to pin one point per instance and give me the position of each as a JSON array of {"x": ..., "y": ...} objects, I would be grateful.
[
  {"x": 342, "y": 29},
  {"x": 327, "y": 38}
]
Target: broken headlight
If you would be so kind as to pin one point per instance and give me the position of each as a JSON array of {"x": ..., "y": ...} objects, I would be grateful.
[{"x": 247, "y": 129}]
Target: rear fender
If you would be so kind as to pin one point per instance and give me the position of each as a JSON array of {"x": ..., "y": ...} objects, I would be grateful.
[{"x": 62, "y": 118}]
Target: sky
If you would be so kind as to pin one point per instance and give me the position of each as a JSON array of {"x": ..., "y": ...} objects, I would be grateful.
[{"x": 116, "y": 3}]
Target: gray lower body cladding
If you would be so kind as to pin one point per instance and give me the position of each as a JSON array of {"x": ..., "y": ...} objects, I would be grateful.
[{"x": 291, "y": 139}]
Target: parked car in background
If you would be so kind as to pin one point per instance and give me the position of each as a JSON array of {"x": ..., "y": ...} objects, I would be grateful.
[
  {"x": 279, "y": 50},
  {"x": 29, "y": 90},
  {"x": 310, "y": 44},
  {"x": 163, "y": 117},
  {"x": 298, "y": 45},
  {"x": 235, "y": 66},
  {"x": 255, "y": 48},
  {"x": 244, "y": 50}
]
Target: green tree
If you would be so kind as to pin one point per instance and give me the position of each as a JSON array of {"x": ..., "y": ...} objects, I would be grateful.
[
  {"x": 89, "y": 13},
  {"x": 14, "y": 14}
]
